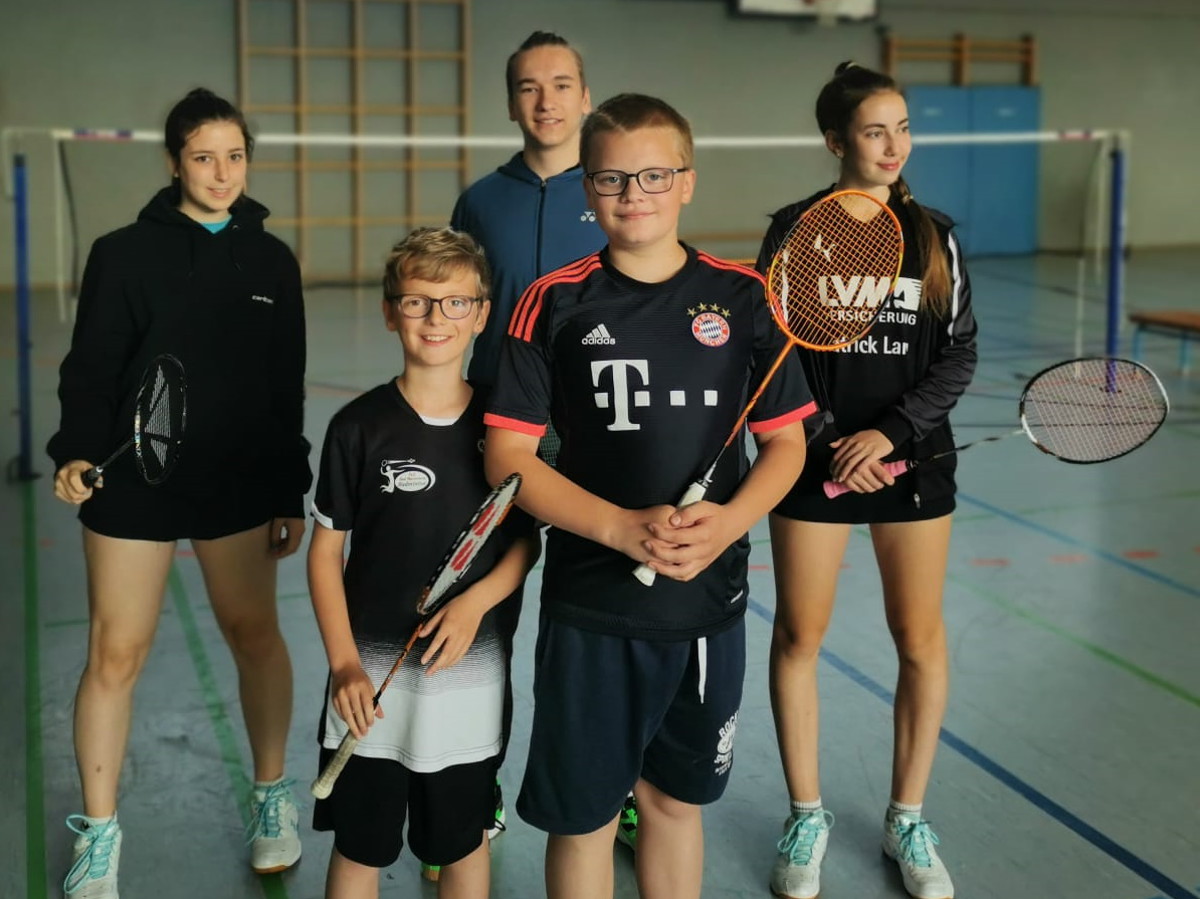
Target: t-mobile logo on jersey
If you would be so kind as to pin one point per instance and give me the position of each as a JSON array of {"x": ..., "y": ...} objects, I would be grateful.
[
  {"x": 622, "y": 390},
  {"x": 625, "y": 393}
]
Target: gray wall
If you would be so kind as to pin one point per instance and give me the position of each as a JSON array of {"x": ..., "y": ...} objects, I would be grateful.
[{"x": 1104, "y": 64}]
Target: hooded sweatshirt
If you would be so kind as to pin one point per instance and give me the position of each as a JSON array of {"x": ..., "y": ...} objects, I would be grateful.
[
  {"x": 527, "y": 227},
  {"x": 228, "y": 306}
]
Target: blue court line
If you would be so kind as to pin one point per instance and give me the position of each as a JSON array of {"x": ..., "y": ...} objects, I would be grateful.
[
  {"x": 1080, "y": 544},
  {"x": 1170, "y": 889}
]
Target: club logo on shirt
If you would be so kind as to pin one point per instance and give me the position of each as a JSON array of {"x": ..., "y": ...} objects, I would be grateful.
[
  {"x": 710, "y": 324},
  {"x": 724, "y": 758},
  {"x": 259, "y": 298},
  {"x": 405, "y": 475},
  {"x": 907, "y": 294},
  {"x": 598, "y": 336},
  {"x": 589, "y": 215}
]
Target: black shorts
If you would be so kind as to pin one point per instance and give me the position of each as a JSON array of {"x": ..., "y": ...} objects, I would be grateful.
[
  {"x": 608, "y": 710},
  {"x": 448, "y": 811},
  {"x": 129, "y": 508}
]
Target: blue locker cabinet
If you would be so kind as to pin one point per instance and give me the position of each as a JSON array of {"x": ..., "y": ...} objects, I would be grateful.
[{"x": 989, "y": 190}]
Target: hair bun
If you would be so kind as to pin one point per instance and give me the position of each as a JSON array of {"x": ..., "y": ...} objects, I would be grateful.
[{"x": 844, "y": 67}]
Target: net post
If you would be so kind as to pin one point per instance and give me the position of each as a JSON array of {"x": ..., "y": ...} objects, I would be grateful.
[
  {"x": 60, "y": 276},
  {"x": 1116, "y": 245},
  {"x": 21, "y": 468}
]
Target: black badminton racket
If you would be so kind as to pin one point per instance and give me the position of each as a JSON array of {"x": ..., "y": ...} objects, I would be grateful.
[
  {"x": 1082, "y": 411},
  {"x": 159, "y": 420},
  {"x": 458, "y": 559}
]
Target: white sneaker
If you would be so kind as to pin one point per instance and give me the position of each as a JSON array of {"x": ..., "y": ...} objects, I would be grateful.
[
  {"x": 274, "y": 831},
  {"x": 797, "y": 870},
  {"x": 94, "y": 859},
  {"x": 910, "y": 842}
]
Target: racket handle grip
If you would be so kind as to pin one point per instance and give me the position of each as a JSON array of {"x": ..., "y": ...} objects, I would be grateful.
[
  {"x": 323, "y": 785},
  {"x": 91, "y": 476},
  {"x": 833, "y": 489},
  {"x": 693, "y": 494}
]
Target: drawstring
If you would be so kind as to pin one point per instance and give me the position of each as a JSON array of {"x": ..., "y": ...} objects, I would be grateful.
[{"x": 702, "y": 662}]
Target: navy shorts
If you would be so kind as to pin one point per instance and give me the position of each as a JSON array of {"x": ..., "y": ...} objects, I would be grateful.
[
  {"x": 448, "y": 811},
  {"x": 608, "y": 710}
]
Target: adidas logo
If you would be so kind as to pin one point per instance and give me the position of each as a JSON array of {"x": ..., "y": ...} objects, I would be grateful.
[{"x": 598, "y": 336}]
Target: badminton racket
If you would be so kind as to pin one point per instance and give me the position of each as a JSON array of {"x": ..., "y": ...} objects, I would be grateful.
[
  {"x": 458, "y": 558},
  {"x": 1083, "y": 410},
  {"x": 159, "y": 419},
  {"x": 826, "y": 285}
]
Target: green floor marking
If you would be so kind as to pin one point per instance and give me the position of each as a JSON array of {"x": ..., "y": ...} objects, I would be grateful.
[
  {"x": 272, "y": 884},
  {"x": 35, "y": 810}
]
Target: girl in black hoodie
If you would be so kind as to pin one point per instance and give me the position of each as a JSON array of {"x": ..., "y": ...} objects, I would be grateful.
[{"x": 195, "y": 276}]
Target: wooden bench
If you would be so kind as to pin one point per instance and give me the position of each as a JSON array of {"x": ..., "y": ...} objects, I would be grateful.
[{"x": 1184, "y": 325}]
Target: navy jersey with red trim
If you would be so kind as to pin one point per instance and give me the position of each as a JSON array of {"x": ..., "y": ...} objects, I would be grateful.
[{"x": 643, "y": 383}]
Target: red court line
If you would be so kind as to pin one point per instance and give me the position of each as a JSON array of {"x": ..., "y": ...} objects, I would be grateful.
[
  {"x": 990, "y": 563},
  {"x": 1140, "y": 554}
]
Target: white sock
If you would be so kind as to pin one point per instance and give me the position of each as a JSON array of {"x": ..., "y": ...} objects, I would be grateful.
[
  {"x": 895, "y": 809},
  {"x": 99, "y": 822},
  {"x": 265, "y": 785},
  {"x": 806, "y": 808}
]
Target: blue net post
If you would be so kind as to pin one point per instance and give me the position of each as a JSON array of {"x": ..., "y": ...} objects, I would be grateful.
[
  {"x": 1116, "y": 249},
  {"x": 23, "y": 468}
]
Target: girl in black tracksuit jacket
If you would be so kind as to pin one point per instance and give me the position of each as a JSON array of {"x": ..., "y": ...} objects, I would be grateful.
[
  {"x": 888, "y": 396},
  {"x": 197, "y": 277}
]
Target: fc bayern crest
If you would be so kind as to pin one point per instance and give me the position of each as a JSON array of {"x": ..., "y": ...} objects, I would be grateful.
[{"x": 710, "y": 328}]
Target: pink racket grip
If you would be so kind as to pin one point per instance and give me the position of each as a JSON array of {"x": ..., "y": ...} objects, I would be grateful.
[
  {"x": 833, "y": 489},
  {"x": 323, "y": 785}
]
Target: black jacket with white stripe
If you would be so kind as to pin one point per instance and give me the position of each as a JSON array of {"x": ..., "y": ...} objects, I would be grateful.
[{"x": 907, "y": 373}]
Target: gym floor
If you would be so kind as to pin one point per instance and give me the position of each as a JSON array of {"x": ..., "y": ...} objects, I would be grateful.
[{"x": 1068, "y": 765}]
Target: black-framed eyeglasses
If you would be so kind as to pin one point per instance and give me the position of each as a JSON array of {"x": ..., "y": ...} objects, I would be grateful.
[
  {"x": 611, "y": 183},
  {"x": 415, "y": 305}
]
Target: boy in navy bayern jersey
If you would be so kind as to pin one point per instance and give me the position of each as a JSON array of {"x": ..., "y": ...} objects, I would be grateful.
[
  {"x": 643, "y": 354},
  {"x": 402, "y": 468}
]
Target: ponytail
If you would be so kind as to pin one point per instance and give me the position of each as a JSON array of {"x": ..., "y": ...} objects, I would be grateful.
[{"x": 936, "y": 285}]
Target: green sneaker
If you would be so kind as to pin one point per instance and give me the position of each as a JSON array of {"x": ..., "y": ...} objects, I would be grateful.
[
  {"x": 498, "y": 827},
  {"x": 627, "y": 823}
]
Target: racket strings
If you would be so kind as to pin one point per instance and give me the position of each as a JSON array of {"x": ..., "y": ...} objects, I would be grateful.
[
  {"x": 160, "y": 421},
  {"x": 1094, "y": 409},
  {"x": 834, "y": 271}
]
